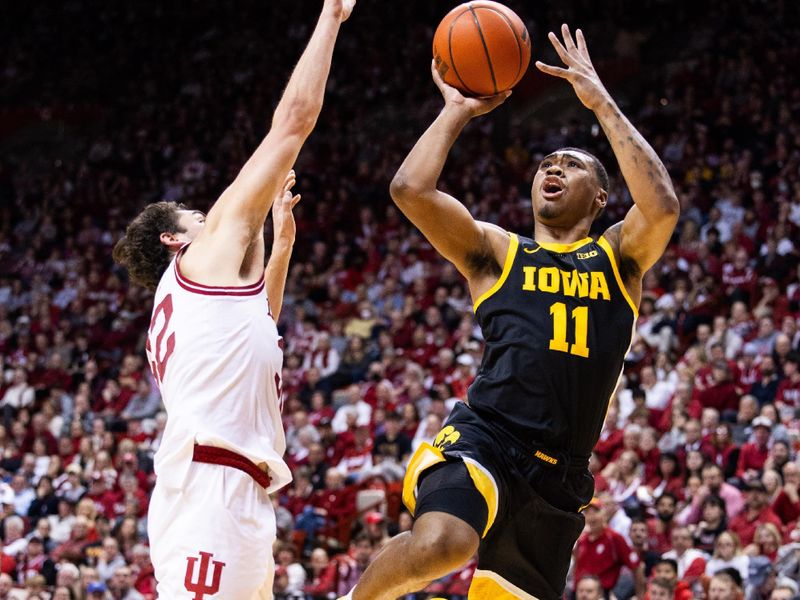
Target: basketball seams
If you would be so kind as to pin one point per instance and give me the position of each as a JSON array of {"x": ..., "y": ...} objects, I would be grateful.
[
  {"x": 516, "y": 39},
  {"x": 483, "y": 41},
  {"x": 450, "y": 50}
]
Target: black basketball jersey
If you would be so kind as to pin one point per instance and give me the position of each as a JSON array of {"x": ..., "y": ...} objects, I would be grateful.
[{"x": 557, "y": 326}]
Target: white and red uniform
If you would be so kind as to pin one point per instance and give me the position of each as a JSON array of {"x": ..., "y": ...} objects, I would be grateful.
[{"x": 215, "y": 352}]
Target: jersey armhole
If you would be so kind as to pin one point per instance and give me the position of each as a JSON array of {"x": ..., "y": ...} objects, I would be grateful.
[
  {"x": 510, "y": 254},
  {"x": 603, "y": 243}
]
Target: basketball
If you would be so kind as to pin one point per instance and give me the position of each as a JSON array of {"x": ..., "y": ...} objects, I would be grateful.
[{"x": 481, "y": 48}]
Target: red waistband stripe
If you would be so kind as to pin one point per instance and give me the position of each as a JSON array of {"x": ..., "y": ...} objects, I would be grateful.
[{"x": 228, "y": 458}]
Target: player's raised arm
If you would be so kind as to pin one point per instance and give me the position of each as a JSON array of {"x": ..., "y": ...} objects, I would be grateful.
[
  {"x": 442, "y": 219},
  {"x": 239, "y": 214},
  {"x": 649, "y": 224}
]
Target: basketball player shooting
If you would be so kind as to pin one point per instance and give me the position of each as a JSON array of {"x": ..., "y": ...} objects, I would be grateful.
[
  {"x": 214, "y": 349},
  {"x": 508, "y": 474}
]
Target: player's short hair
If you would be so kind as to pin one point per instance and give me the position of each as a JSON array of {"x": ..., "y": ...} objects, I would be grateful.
[
  {"x": 599, "y": 170},
  {"x": 140, "y": 250}
]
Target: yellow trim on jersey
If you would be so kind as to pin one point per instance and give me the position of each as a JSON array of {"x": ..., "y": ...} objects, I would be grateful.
[
  {"x": 556, "y": 247},
  {"x": 488, "y": 585},
  {"x": 513, "y": 244},
  {"x": 487, "y": 486},
  {"x": 603, "y": 243},
  {"x": 424, "y": 458}
]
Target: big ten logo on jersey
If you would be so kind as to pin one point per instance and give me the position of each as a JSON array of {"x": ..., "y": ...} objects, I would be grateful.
[
  {"x": 160, "y": 345},
  {"x": 591, "y": 284}
]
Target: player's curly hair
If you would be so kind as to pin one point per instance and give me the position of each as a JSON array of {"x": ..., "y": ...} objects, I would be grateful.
[{"x": 140, "y": 250}]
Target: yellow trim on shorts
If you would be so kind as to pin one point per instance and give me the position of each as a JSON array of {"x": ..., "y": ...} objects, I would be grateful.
[
  {"x": 603, "y": 243},
  {"x": 487, "y": 486},
  {"x": 513, "y": 244},
  {"x": 424, "y": 458},
  {"x": 488, "y": 585},
  {"x": 556, "y": 247}
]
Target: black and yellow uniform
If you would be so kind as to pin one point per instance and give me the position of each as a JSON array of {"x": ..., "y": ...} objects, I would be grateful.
[{"x": 557, "y": 326}]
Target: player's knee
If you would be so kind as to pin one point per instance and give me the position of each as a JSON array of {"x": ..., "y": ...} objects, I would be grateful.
[{"x": 440, "y": 545}]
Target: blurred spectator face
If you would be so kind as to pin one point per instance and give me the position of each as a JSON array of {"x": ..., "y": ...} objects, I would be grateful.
[
  {"x": 110, "y": 548},
  {"x": 334, "y": 480},
  {"x": 656, "y": 591},
  {"x": 665, "y": 508},
  {"x": 712, "y": 478},
  {"x": 765, "y": 327},
  {"x": 61, "y": 593},
  {"x": 710, "y": 418},
  {"x": 783, "y": 345},
  {"x": 725, "y": 546},
  {"x": 748, "y": 407},
  {"x": 791, "y": 474},
  {"x": 362, "y": 552},
  {"x": 681, "y": 540},
  {"x": 666, "y": 571},
  {"x": 712, "y": 513},
  {"x": 595, "y": 520},
  {"x": 782, "y": 593},
  {"x": 319, "y": 559},
  {"x": 693, "y": 431},
  {"x": 721, "y": 588},
  {"x": 6, "y": 583},
  {"x": 588, "y": 589},
  {"x": 638, "y": 534},
  {"x": 761, "y": 435}
]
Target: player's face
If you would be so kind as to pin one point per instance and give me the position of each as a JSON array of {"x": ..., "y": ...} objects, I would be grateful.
[
  {"x": 192, "y": 222},
  {"x": 565, "y": 189}
]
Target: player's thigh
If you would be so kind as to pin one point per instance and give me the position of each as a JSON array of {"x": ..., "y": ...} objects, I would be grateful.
[{"x": 214, "y": 539}]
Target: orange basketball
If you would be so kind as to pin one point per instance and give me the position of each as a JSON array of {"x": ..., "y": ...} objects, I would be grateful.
[{"x": 482, "y": 48}]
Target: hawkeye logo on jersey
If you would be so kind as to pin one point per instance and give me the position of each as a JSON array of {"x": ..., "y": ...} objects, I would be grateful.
[
  {"x": 570, "y": 283},
  {"x": 446, "y": 436}
]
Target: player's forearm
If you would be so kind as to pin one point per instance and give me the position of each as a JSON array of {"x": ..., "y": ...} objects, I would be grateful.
[
  {"x": 647, "y": 178},
  {"x": 302, "y": 100},
  {"x": 275, "y": 276},
  {"x": 423, "y": 166}
]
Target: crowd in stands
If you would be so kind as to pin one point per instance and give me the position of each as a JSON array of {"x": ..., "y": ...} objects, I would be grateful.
[{"x": 697, "y": 469}]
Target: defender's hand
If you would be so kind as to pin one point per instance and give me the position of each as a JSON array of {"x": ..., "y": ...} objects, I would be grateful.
[
  {"x": 579, "y": 72},
  {"x": 283, "y": 223},
  {"x": 472, "y": 107},
  {"x": 341, "y": 9}
]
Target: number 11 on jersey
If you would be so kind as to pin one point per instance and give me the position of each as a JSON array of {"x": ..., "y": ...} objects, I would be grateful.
[{"x": 580, "y": 316}]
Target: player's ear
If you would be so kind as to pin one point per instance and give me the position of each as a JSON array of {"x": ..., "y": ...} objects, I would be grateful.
[
  {"x": 170, "y": 240},
  {"x": 601, "y": 198}
]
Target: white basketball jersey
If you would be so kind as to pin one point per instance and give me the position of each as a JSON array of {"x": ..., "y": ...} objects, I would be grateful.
[{"x": 216, "y": 355}]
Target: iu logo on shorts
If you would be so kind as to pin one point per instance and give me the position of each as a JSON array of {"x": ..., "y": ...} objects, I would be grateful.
[{"x": 201, "y": 587}]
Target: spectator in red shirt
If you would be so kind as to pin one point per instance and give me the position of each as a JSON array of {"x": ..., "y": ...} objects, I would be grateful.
[
  {"x": 659, "y": 528},
  {"x": 787, "y": 504},
  {"x": 754, "y": 454},
  {"x": 322, "y": 575},
  {"x": 788, "y": 393},
  {"x": 756, "y": 512},
  {"x": 603, "y": 552},
  {"x": 722, "y": 393}
]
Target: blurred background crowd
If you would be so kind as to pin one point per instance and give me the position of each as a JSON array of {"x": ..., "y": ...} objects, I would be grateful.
[{"x": 109, "y": 106}]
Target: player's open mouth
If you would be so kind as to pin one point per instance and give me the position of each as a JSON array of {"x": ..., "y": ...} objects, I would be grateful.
[{"x": 552, "y": 187}]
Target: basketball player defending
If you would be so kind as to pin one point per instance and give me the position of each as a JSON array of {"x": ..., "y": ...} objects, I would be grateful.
[
  {"x": 214, "y": 348},
  {"x": 508, "y": 476}
]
